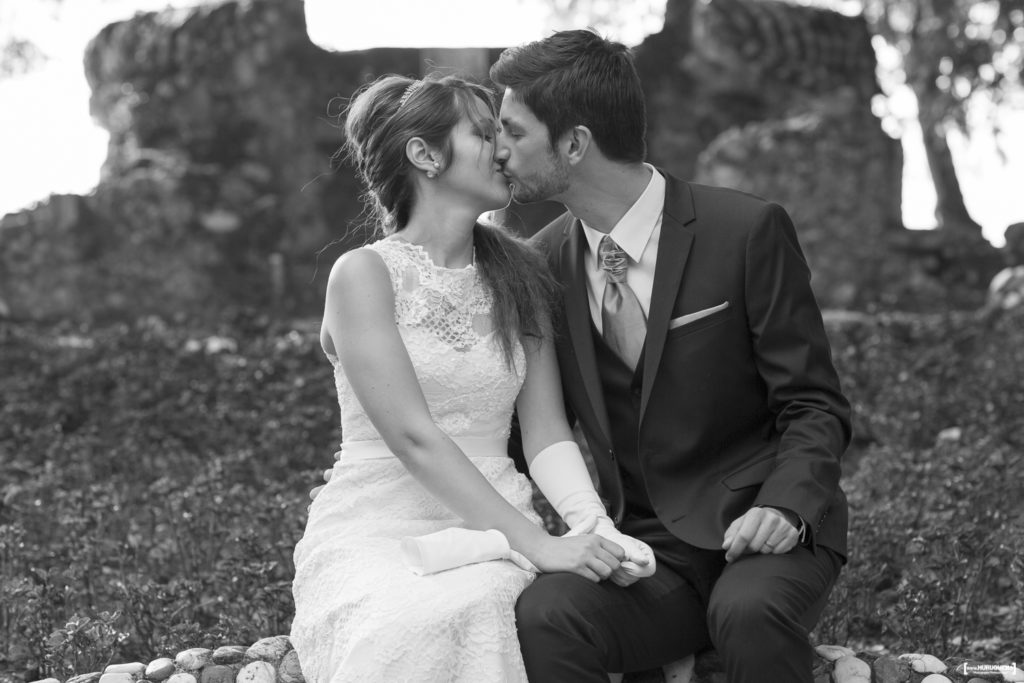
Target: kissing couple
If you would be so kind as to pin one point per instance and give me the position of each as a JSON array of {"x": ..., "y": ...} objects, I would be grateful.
[{"x": 674, "y": 324}]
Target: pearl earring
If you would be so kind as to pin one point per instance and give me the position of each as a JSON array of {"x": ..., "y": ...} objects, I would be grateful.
[{"x": 433, "y": 174}]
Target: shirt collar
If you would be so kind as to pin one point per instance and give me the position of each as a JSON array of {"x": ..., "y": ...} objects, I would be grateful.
[{"x": 634, "y": 229}]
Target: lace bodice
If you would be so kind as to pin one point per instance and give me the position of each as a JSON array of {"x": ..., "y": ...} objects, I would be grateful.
[{"x": 444, "y": 318}]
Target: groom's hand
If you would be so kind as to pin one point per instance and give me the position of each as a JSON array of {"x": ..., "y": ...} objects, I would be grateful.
[
  {"x": 639, "y": 562},
  {"x": 315, "y": 491},
  {"x": 761, "y": 530}
]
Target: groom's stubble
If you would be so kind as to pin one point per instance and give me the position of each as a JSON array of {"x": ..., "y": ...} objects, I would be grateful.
[{"x": 548, "y": 182}]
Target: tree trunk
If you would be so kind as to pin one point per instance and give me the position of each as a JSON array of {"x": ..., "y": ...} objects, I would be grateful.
[{"x": 950, "y": 210}]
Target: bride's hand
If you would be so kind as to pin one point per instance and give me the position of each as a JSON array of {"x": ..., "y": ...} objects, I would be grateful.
[{"x": 589, "y": 555}]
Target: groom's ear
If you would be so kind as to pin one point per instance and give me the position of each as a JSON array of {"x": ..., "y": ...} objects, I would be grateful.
[{"x": 576, "y": 142}]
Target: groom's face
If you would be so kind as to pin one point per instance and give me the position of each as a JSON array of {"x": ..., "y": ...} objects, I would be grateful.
[{"x": 528, "y": 159}]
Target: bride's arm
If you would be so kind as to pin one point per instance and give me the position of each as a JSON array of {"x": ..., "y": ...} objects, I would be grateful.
[
  {"x": 360, "y": 319},
  {"x": 541, "y": 411},
  {"x": 557, "y": 466}
]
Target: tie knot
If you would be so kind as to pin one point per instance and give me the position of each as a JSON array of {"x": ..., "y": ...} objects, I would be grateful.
[{"x": 613, "y": 259}]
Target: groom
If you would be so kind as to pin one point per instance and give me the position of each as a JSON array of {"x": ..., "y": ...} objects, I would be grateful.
[{"x": 694, "y": 359}]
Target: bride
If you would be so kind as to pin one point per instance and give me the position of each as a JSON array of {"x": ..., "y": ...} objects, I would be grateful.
[{"x": 435, "y": 333}]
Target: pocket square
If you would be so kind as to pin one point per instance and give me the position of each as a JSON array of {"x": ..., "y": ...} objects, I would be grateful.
[{"x": 697, "y": 315}]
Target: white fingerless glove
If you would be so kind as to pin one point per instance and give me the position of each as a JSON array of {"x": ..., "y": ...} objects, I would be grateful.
[{"x": 562, "y": 476}]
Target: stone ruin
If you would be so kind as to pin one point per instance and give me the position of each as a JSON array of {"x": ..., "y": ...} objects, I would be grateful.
[{"x": 219, "y": 189}]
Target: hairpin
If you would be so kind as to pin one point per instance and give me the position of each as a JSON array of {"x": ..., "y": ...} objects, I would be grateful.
[{"x": 413, "y": 87}]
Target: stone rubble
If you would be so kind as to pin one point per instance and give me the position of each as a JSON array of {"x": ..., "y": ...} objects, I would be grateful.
[{"x": 272, "y": 660}]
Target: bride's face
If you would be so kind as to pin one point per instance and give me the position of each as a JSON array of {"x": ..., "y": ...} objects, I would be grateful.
[{"x": 473, "y": 172}]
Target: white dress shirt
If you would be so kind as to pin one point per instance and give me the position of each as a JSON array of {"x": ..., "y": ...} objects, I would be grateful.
[{"x": 637, "y": 233}]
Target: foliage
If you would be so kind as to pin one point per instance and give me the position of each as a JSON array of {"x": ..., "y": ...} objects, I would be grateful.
[
  {"x": 950, "y": 53},
  {"x": 964, "y": 47}
]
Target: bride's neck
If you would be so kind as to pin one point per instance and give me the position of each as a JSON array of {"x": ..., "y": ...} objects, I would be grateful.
[{"x": 446, "y": 235}]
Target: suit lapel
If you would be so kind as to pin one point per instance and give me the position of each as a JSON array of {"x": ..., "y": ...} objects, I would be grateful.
[
  {"x": 577, "y": 310},
  {"x": 673, "y": 251}
]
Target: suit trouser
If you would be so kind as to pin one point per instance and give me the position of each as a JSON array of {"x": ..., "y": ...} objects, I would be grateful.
[{"x": 756, "y": 612}]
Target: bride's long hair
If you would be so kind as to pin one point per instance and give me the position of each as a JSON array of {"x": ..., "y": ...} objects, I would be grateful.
[{"x": 380, "y": 120}]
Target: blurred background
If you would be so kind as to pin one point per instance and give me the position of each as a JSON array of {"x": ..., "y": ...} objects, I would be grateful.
[
  {"x": 51, "y": 144},
  {"x": 170, "y": 209}
]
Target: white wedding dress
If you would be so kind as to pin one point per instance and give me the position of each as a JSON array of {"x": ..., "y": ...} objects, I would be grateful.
[{"x": 361, "y": 614}]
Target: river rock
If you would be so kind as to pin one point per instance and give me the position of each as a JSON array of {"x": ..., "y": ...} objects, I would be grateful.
[
  {"x": 925, "y": 664},
  {"x": 217, "y": 673},
  {"x": 1014, "y": 674},
  {"x": 229, "y": 654},
  {"x": 257, "y": 672},
  {"x": 194, "y": 658},
  {"x": 680, "y": 671},
  {"x": 270, "y": 649},
  {"x": 133, "y": 668},
  {"x": 849, "y": 669},
  {"x": 182, "y": 677},
  {"x": 117, "y": 678},
  {"x": 891, "y": 670},
  {"x": 159, "y": 669},
  {"x": 833, "y": 652},
  {"x": 86, "y": 678}
]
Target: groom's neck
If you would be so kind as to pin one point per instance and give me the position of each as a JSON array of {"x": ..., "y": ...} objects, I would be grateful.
[{"x": 602, "y": 193}]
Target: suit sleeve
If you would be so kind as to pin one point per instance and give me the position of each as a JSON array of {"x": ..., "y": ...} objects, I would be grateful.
[{"x": 794, "y": 359}]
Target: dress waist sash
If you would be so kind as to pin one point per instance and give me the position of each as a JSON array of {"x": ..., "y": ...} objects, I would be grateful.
[{"x": 472, "y": 446}]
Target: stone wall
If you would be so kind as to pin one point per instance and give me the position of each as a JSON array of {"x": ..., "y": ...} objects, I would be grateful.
[{"x": 219, "y": 189}]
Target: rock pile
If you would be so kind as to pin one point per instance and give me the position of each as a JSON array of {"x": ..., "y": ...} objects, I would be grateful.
[{"x": 272, "y": 660}]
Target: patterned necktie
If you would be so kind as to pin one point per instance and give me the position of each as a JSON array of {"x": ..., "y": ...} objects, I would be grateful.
[{"x": 622, "y": 319}]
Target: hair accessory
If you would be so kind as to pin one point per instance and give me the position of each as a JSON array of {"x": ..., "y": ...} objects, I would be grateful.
[{"x": 413, "y": 87}]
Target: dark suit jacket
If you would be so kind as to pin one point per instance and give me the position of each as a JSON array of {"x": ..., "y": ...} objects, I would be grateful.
[{"x": 739, "y": 408}]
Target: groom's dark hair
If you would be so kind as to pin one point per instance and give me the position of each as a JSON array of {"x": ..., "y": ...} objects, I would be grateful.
[{"x": 576, "y": 78}]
